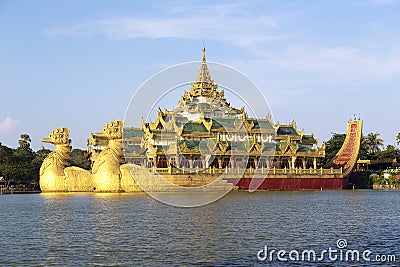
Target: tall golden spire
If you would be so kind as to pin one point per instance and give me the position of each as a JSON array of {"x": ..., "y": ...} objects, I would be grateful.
[
  {"x": 203, "y": 85},
  {"x": 203, "y": 59},
  {"x": 204, "y": 75}
]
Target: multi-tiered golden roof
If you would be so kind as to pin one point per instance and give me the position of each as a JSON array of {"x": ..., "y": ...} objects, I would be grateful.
[{"x": 204, "y": 123}]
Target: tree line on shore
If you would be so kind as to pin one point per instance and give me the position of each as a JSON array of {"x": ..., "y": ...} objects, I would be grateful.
[{"x": 22, "y": 164}]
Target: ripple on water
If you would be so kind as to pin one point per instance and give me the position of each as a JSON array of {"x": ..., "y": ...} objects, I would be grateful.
[{"x": 134, "y": 229}]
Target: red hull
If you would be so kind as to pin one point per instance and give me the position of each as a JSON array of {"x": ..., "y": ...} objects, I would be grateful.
[{"x": 291, "y": 183}]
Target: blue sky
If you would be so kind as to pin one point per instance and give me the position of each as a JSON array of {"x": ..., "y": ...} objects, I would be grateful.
[{"x": 78, "y": 63}]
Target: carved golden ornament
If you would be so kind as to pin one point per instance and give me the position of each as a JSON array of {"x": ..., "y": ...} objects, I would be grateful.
[
  {"x": 58, "y": 136},
  {"x": 112, "y": 130}
]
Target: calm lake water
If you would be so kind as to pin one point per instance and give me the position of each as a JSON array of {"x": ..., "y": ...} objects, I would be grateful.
[{"x": 136, "y": 230}]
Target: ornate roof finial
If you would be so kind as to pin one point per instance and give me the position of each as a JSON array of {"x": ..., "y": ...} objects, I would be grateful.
[
  {"x": 204, "y": 77},
  {"x": 203, "y": 85}
]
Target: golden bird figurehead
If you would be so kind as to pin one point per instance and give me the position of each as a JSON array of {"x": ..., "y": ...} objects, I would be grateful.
[
  {"x": 112, "y": 130},
  {"x": 59, "y": 136}
]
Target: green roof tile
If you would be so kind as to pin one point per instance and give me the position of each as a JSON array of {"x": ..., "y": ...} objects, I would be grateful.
[
  {"x": 261, "y": 124},
  {"x": 287, "y": 130},
  {"x": 308, "y": 138},
  {"x": 194, "y": 127},
  {"x": 191, "y": 144},
  {"x": 224, "y": 122}
]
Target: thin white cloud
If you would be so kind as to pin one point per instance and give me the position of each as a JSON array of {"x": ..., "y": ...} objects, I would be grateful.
[
  {"x": 230, "y": 24},
  {"x": 8, "y": 125},
  {"x": 189, "y": 27},
  {"x": 220, "y": 23},
  {"x": 345, "y": 63},
  {"x": 386, "y": 1},
  {"x": 301, "y": 72}
]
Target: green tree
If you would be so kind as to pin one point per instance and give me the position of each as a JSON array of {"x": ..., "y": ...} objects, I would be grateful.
[
  {"x": 391, "y": 152},
  {"x": 6, "y": 158},
  {"x": 364, "y": 148},
  {"x": 5, "y": 153},
  {"x": 80, "y": 159},
  {"x": 25, "y": 141},
  {"x": 21, "y": 164},
  {"x": 392, "y": 181},
  {"x": 374, "y": 142},
  {"x": 41, "y": 154},
  {"x": 17, "y": 164},
  {"x": 333, "y": 146},
  {"x": 37, "y": 161},
  {"x": 378, "y": 179},
  {"x": 398, "y": 139},
  {"x": 24, "y": 149}
]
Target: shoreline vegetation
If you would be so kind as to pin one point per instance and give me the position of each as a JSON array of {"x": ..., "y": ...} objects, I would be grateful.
[{"x": 19, "y": 167}]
